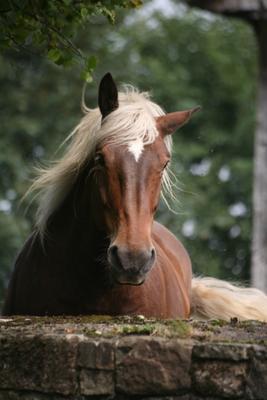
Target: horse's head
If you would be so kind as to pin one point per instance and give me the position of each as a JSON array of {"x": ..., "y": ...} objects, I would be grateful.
[{"x": 129, "y": 178}]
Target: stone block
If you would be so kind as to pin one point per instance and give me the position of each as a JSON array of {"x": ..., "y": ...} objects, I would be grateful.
[
  {"x": 11, "y": 395},
  {"x": 150, "y": 366},
  {"x": 45, "y": 364},
  {"x": 96, "y": 355},
  {"x": 96, "y": 383},
  {"x": 257, "y": 376},
  {"x": 219, "y": 378},
  {"x": 163, "y": 397},
  {"x": 221, "y": 351},
  {"x": 259, "y": 351},
  {"x": 182, "y": 397}
]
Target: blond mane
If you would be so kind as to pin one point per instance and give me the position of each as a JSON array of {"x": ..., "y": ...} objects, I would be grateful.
[{"x": 134, "y": 120}]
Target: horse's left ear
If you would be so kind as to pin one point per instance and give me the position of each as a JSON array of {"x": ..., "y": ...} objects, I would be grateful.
[
  {"x": 168, "y": 123},
  {"x": 107, "y": 95}
]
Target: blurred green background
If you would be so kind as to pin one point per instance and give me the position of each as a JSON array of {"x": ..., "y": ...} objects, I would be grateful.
[{"x": 185, "y": 58}]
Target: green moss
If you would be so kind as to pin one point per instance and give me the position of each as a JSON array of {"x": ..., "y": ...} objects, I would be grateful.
[
  {"x": 217, "y": 322},
  {"x": 179, "y": 328},
  {"x": 112, "y": 326},
  {"x": 138, "y": 326},
  {"x": 93, "y": 319},
  {"x": 145, "y": 329}
]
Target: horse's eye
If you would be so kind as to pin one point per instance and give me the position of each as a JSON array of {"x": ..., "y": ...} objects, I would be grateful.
[
  {"x": 99, "y": 159},
  {"x": 166, "y": 164}
]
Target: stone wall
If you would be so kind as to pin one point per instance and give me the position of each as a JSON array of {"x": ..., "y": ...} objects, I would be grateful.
[{"x": 82, "y": 358}]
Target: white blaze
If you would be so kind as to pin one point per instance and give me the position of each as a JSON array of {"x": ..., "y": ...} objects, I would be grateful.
[{"x": 136, "y": 148}]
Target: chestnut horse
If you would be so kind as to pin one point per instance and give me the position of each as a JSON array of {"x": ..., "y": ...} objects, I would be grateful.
[{"x": 96, "y": 248}]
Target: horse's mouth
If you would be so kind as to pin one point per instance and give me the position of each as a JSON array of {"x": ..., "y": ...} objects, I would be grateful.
[
  {"x": 128, "y": 283},
  {"x": 130, "y": 268},
  {"x": 128, "y": 280}
]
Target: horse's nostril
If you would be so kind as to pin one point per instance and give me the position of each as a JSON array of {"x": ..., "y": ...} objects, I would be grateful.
[
  {"x": 131, "y": 262},
  {"x": 114, "y": 256},
  {"x": 114, "y": 250}
]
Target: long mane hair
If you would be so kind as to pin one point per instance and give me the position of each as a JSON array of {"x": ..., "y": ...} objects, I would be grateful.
[{"x": 133, "y": 122}]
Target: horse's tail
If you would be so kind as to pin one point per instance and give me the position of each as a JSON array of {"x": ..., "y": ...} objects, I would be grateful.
[{"x": 217, "y": 299}]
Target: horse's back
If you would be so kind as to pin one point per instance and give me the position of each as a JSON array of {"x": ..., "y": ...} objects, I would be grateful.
[
  {"x": 10, "y": 299},
  {"x": 20, "y": 285}
]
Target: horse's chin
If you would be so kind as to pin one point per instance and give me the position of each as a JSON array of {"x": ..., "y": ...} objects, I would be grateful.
[{"x": 127, "y": 283}]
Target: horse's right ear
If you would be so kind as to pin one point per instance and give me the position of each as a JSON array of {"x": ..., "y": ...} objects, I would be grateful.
[
  {"x": 168, "y": 123},
  {"x": 107, "y": 95}
]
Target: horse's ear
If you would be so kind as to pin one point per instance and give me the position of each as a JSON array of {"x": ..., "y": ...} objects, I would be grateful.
[
  {"x": 107, "y": 95},
  {"x": 168, "y": 123}
]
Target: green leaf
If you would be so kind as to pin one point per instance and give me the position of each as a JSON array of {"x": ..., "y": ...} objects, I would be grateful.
[
  {"x": 87, "y": 76},
  {"x": 54, "y": 55},
  {"x": 84, "y": 12},
  {"x": 136, "y": 3},
  {"x": 91, "y": 63}
]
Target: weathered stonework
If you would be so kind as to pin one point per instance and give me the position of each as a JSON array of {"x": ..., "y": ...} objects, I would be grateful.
[
  {"x": 146, "y": 366},
  {"x": 131, "y": 358}
]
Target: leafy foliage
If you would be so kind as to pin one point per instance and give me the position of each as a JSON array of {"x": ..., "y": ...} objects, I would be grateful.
[{"x": 49, "y": 27}]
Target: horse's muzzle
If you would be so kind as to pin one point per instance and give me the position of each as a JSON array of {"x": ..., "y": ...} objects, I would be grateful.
[{"x": 130, "y": 267}]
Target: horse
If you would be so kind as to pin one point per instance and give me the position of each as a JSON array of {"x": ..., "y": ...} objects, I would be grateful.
[{"x": 96, "y": 248}]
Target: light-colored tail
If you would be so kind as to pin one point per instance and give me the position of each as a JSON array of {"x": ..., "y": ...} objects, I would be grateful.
[{"x": 217, "y": 299}]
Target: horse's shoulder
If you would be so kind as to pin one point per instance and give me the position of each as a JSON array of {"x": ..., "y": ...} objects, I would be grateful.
[
  {"x": 9, "y": 306},
  {"x": 31, "y": 242},
  {"x": 167, "y": 240},
  {"x": 159, "y": 231}
]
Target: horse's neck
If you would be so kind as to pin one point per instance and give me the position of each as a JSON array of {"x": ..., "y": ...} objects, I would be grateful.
[{"x": 72, "y": 231}]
